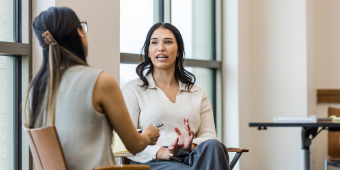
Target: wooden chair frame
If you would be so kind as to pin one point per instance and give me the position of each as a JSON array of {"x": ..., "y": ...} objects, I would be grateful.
[
  {"x": 43, "y": 141},
  {"x": 333, "y": 143},
  {"x": 237, "y": 155},
  {"x": 48, "y": 154},
  {"x": 232, "y": 164}
]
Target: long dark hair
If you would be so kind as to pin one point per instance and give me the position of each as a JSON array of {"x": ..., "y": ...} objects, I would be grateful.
[
  {"x": 63, "y": 24},
  {"x": 180, "y": 73}
]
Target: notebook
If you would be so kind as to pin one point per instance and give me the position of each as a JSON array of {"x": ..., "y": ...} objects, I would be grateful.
[
  {"x": 117, "y": 145},
  {"x": 311, "y": 119}
]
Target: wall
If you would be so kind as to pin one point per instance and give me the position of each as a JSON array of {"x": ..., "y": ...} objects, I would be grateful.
[
  {"x": 266, "y": 71},
  {"x": 103, "y": 35},
  {"x": 327, "y": 52}
]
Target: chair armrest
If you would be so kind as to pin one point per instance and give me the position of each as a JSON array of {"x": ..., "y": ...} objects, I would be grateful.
[
  {"x": 237, "y": 150},
  {"x": 123, "y": 167}
]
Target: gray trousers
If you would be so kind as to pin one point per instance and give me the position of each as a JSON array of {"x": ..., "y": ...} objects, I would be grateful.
[{"x": 209, "y": 155}]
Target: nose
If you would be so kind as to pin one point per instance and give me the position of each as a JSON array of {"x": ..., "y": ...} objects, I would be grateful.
[{"x": 161, "y": 47}]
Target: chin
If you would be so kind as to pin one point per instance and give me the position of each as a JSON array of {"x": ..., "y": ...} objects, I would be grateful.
[{"x": 163, "y": 66}]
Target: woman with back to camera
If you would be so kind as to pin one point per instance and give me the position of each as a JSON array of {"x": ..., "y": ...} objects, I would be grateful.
[
  {"x": 167, "y": 94},
  {"x": 85, "y": 104}
]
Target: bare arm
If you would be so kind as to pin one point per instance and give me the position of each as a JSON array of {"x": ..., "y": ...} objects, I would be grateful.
[{"x": 108, "y": 99}]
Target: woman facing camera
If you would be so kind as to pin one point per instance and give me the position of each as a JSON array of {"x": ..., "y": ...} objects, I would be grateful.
[
  {"x": 167, "y": 94},
  {"x": 85, "y": 104}
]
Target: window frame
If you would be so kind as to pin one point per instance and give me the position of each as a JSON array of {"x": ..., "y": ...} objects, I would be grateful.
[{"x": 20, "y": 51}]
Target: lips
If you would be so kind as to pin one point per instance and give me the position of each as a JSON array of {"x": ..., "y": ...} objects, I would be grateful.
[{"x": 161, "y": 57}]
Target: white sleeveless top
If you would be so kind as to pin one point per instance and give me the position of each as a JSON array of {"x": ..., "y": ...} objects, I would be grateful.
[{"x": 85, "y": 135}]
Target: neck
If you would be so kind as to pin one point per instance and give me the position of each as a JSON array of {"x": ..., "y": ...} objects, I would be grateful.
[{"x": 165, "y": 77}]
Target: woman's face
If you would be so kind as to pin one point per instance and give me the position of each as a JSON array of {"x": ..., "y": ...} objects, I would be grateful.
[
  {"x": 163, "y": 49},
  {"x": 83, "y": 37}
]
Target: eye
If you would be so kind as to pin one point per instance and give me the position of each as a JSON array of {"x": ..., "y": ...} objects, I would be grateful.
[
  {"x": 168, "y": 42},
  {"x": 153, "y": 42}
]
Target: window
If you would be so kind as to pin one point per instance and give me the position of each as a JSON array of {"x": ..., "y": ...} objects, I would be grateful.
[
  {"x": 199, "y": 23},
  {"x": 6, "y": 20},
  {"x": 13, "y": 153},
  {"x": 6, "y": 112}
]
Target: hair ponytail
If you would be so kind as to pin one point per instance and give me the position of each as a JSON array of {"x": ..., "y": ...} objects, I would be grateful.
[{"x": 40, "y": 101}]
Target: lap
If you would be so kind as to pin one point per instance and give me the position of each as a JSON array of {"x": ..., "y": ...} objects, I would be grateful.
[
  {"x": 160, "y": 164},
  {"x": 183, "y": 160}
]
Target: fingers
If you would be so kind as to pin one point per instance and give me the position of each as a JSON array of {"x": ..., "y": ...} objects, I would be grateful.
[
  {"x": 178, "y": 131},
  {"x": 192, "y": 134},
  {"x": 180, "y": 145},
  {"x": 173, "y": 145},
  {"x": 186, "y": 124},
  {"x": 170, "y": 154}
]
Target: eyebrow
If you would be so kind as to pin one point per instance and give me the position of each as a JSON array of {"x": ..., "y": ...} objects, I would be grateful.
[{"x": 164, "y": 38}]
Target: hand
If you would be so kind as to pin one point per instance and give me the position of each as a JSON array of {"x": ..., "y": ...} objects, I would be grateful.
[
  {"x": 186, "y": 137},
  {"x": 174, "y": 148},
  {"x": 152, "y": 133},
  {"x": 171, "y": 151}
]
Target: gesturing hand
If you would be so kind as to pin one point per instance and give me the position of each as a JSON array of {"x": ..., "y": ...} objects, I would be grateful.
[
  {"x": 187, "y": 135},
  {"x": 174, "y": 148},
  {"x": 171, "y": 151}
]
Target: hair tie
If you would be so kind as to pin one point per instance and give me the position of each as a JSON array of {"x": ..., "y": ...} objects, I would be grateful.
[{"x": 49, "y": 38}]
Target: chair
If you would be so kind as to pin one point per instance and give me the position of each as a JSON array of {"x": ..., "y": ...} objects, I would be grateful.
[
  {"x": 48, "y": 154},
  {"x": 237, "y": 155},
  {"x": 333, "y": 143},
  {"x": 231, "y": 164}
]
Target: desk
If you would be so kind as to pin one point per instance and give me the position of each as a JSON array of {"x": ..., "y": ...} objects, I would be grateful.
[
  {"x": 121, "y": 156},
  {"x": 308, "y": 129}
]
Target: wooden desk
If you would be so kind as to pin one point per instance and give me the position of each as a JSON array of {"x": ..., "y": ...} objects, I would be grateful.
[
  {"x": 121, "y": 156},
  {"x": 308, "y": 129}
]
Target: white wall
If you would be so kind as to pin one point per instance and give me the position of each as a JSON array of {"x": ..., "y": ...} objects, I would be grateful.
[{"x": 266, "y": 71}]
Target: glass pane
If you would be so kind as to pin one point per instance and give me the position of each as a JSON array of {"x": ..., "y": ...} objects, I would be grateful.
[
  {"x": 127, "y": 73},
  {"x": 204, "y": 79},
  {"x": 6, "y": 112},
  {"x": 194, "y": 19},
  {"x": 6, "y": 20},
  {"x": 136, "y": 18}
]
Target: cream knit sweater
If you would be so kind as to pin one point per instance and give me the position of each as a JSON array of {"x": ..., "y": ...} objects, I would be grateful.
[{"x": 153, "y": 106}]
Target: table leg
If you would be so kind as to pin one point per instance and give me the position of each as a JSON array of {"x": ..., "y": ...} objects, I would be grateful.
[
  {"x": 121, "y": 160},
  {"x": 306, "y": 142}
]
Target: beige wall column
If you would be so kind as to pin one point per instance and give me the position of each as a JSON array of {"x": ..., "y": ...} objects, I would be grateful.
[
  {"x": 103, "y": 21},
  {"x": 103, "y": 36},
  {"x": 266, "y": 71}
]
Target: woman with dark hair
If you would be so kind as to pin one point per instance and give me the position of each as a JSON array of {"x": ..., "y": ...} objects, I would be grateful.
[
  {"x": 167, "y": 94},
  {"x": 84, "y": 103}
]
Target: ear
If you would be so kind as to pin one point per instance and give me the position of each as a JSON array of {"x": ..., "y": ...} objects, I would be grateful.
[{"x": 81, "y": 32}]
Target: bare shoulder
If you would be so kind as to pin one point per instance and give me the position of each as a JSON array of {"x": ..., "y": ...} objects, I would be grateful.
[{"x": 106, "y": 82}]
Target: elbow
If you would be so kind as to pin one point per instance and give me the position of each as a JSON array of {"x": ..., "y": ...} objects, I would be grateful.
[{"x": 133, "y": 151}]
